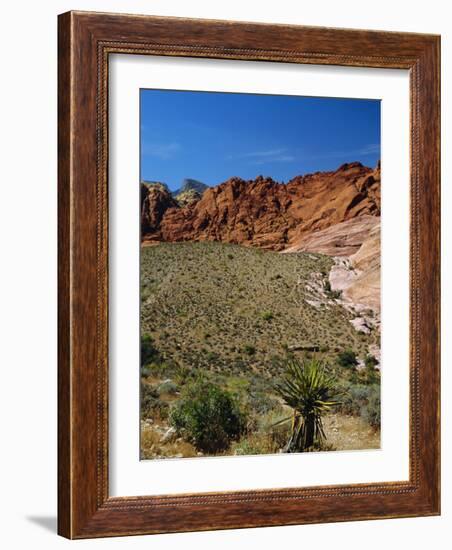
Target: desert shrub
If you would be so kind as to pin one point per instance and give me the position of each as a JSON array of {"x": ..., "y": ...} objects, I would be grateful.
[
  {"x": 207, "y": 416},
  {"x": 260, "y": 402},
  {"x": 182, "y": 374},
  {"x": 368, "y": 375},
  {"x": 211, "y": 356},
  {"x": 267, "y": 315},
  {"x": 151, "y": 405},
  {"x": 268, "y": 436},
  {"x": 167, "y": 387},
  {"x": 372, "y": 375},
  {"x": 372, "y": 411},
  {"x": 250, "y": 446},
  {"x": 145, "y": 371},
  {"x": 370, "y": 361},
  {"x": 161, "y": 369},
  {"x": 354, "y": 397},
  {"x": 363, "y": 377},
  {"x": 278, "y": 430},
  {"x": 347, "y": 358},
  {"x": 362, "y": 400},
  {"x": 335, "y": 294},
  {"x": 149, "y": 353},
  {"x": 249, "y": 350}
]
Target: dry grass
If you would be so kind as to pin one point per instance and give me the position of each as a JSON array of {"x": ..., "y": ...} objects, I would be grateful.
[
  {"x": 226, "y": 307},
  {"x": 152, "y": 446},
  {"x": 232, "y": 313},
  {"x": 346, "y": 433}
]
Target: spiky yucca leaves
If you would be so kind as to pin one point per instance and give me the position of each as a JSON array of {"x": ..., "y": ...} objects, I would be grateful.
[{"x": 309, "y": 390}]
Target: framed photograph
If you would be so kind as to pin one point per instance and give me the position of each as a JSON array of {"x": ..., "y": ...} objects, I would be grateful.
[{"x": 248, "y": 275}]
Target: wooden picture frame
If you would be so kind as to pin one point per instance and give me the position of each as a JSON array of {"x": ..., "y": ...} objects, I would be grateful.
[{"x": 86, "y": 40}]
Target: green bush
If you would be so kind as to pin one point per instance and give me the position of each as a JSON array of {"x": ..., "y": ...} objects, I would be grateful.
[
  {"x": 167, "y": 387},
  {"x": 370, "y": 361},
  {"x": 260, "y": 402},
  {"x": 149, "y": 352},
  {"x": 161, "y": 369},
  {"x": 267, "y": 315},
  {"x": 354, "y": 397},
  {"x": 249, "y": 350},
  {"x": 207, "y": 416},
  {"x": 151, "y": 406},
  {"x": 347, "y": 358},
  {"x": 372, "y": 411},
  {"x": 247, "y": 447},
  {"x": 362, "y": 400},
  {"x": 145, "y": 371},
  {"x": 334, "y": 294}
]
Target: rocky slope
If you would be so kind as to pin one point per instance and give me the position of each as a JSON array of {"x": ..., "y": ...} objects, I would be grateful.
[
  {"x": 261, "y": 212},
  {"x": 341, "y": 239},
  {"x": 358, "y": 277},
  {"x": 155, "y": 201}
]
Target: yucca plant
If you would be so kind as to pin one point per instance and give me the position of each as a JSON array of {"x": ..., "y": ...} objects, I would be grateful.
[{"x": 309, "y": 390}]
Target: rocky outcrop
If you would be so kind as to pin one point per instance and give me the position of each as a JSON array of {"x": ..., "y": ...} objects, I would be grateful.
[
  {"x": 155, "y": 201},
  {"x": 366, "y": 262},
  {"x": 263, "y": 212},
  {"x": 341, "y": 239},
  {"x": 358, "y": 277}
]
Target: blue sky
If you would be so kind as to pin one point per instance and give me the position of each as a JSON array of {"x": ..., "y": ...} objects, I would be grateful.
[{"x": 214, "y": 136}]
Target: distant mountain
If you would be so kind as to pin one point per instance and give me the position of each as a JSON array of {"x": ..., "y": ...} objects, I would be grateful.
[
  {"x": 264, "y": 213},
  {"x": 189, "y": 184},
  {"x": 190, "y": 191},
  {"x": 155, "y": 184},
  {"x": 189, "y": 196}
]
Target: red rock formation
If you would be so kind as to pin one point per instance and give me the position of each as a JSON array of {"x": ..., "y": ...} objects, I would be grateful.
[
  {"x": 262, "y": 212},
  {"x": 155, "y": 201}
]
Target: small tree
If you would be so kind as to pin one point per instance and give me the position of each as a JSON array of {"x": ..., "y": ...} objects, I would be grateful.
[
  {"x": 207, "y": 416},
  {"x": 308, "y": 389}
]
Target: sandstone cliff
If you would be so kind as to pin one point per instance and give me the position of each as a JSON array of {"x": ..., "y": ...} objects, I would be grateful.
[{"x": 262, "y": 212}]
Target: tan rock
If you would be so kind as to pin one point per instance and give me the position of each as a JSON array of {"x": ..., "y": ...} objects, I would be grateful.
[
  {"x": 358, "y": 277},
  {"x": 341, "y": 239}
]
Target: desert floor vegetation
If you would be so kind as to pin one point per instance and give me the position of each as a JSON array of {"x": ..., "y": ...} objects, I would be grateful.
[{"x": 220, "y": 326}]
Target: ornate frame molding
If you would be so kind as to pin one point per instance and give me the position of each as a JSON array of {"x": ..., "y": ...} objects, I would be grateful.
[{"x": 85, "y": 42}]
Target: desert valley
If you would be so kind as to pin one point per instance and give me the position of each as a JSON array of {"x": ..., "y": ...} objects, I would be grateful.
[{"x": 245, "y": 281}]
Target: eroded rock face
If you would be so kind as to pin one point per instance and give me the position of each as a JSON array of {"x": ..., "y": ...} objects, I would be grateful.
[
  {"x": 367, "y": 261},
  {"x": 155, "y": 201},
  {"x": 341, "y": 239},
  {"x": 358, "y": 277},
  {"x": 265, "y": 213}
]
